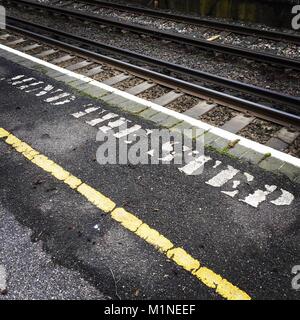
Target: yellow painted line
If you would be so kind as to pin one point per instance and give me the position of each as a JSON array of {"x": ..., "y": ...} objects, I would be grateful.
[{"x": 129, "y": 221}]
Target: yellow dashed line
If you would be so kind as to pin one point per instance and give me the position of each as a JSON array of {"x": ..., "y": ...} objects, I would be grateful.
[
  {"x": 183, "y": 259},
  {"x": 154, "y": 238},
  {"x": 73, "y": 182},
  {"x": 97, "y": 198},
  {"x": 129, "y": 221},
  {"x": 3, "y": 133}
]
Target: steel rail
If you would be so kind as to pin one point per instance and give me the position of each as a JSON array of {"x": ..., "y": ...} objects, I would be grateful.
[
  {"x": 291, "y": 101},
  {"x": 203, "y": 44},
  {"x": 268, "y": 34},
  {"x": 263, "y": 111}
]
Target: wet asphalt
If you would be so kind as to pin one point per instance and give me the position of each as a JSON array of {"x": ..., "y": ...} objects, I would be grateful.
[{"x": 56, "y": 245}]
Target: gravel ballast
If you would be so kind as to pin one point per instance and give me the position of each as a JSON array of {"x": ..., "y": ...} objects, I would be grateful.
[{"x": 234, "y": 68}]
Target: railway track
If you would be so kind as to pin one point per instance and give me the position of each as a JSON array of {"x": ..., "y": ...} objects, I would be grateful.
[
  {"x": 181, "y": 18},
  {"x": 85, "y": 53},
  {"x": 290, "y": 102},
  {"x": 231, "y": 50}
]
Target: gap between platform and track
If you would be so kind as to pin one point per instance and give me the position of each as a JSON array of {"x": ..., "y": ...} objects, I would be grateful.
[{"x": 239, "y": 140}]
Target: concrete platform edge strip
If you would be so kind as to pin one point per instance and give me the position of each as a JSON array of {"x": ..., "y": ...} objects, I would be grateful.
[{"x": 228, "y": 143}]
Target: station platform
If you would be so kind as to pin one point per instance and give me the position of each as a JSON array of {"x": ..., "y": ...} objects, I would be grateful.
[{"x": 131, "y": 231}]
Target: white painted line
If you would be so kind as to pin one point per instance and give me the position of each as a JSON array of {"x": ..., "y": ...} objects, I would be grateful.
[
  {"x": 47, "y": 89},
  {"x": 78, "y": 114},
  {"x": 259, "y": 196},
  {"x": 224, "y": 176},
  {"x": 231, "y": 194},
  {"x": 249, "y": 177},
  {"x": 108, "y": 116},
  {"x": 255, "y": 146},
  {"x": 22, "y": 81},
  {"x": 3, "y": 277},
  {"x": 285, "y": 199},
  {"x": 105, "y": 129},
  {"x": 86, "y": 111},
  {"x": 18, "y": 77},
  {"x": 218, "y": 163},
  {"x": 127, "y": 132},
  {"x": 236, "y": 183},
  {"x": 59, "y": 96},
  {"x": 194, "y": 165},
  {"x": 117, "y": 123},
  {"x": 91, "y": 109},
  {"x": 64, "y": 101},
  {"x": 31, "y": 85}
]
